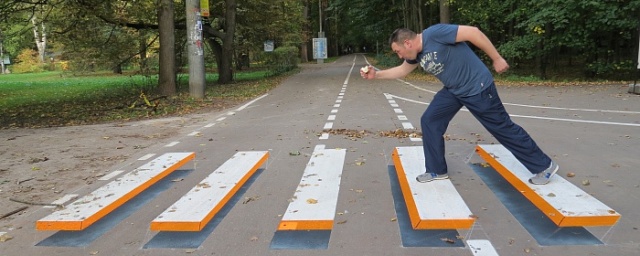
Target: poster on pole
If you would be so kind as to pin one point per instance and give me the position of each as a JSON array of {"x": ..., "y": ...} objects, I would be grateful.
[
  {"x": 268, "y": 46},
  {"x": 204, "y": 8},
  {"x": 320, "y": 48}
]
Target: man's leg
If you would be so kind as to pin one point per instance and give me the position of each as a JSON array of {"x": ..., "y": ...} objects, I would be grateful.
[
  {"x": 434, "y": 123},
  {"x": 488, "y": 109}
]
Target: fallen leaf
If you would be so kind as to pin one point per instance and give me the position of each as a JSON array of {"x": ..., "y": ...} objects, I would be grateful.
[
  {"x": 294, "y": 153},
  {"x": 551, "y": 195},
  {"x": 571, "y": 174},
  {"x": 586, "y": 182},
  {"x": 341, "y": 222},
  {"x": 5, "y": 237},
  {"x": 312, "y": 201},
  {"x": 394, "y": 219},
  {"x": 448, "y": 240},
  {"x": 253, "y": 238}
]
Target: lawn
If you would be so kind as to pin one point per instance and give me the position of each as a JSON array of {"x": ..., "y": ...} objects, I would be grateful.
[{"x": 57, "y": 99}]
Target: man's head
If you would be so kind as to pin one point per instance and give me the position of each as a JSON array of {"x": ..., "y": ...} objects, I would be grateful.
[{"x": 403, "y": 43}]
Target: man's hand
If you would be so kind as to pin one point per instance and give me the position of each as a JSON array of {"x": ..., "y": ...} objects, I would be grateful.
[
  {"x": 500, "y": 65},
  {"x": 368, "y": 72}
]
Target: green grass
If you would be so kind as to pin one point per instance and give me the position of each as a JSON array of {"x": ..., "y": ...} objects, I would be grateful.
[{"x": 56, "y": 99}]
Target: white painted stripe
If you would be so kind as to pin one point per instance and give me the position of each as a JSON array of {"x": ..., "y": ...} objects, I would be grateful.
[
  {"x": 324, "y": 136},
  {"x": 343, "y": 90},
  {"x": 319, "y": 147},
  {"x": 328, "y": 125},
  {"x": 336, "y": 105},
  {"x": 193, "y": 133},
  {"x": 397, "y": 110},
  {"x": 407, "y": 125},
  {"x": 538, "y": 117},
  {"x": 63, "y": 200},
  {"x": 209, "y": 125},
  {"x": 338, "y": 101},
  {"x": 341, "y": 94},
  {"x": 438, "y": 200},
  {"x": 251, "y": 102},
  {"x": 559, "y": 193},
  {"x": 575, "y": 109},
  {"x": 196, "y": 204},
  {"x": 340, "y": 97},
  {"x": 146, "y": 157},
  {"x": 416, "y": 139},
  {"x": 402, "y": 118},
  {"x": 331, "y": 118},
  {"x": 230, "y": 113},
  {"x": 333, "y": 111},
  {"x": 172, "y": 144},
  {"x": 110, "y": 193},
  {"x": 482, "y": 248},
  {"x": 388, "y": 96},
  {"x": 221, "y": 118},
  {"x": 111, "y": 175},
  {"x": 317, "y": 195},
  {"x": 392, "y": 102},
  {"x": 394, "y": 105}
]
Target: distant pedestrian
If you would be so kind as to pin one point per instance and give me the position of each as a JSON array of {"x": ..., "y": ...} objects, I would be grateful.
[{"x": 442, "y": 51}]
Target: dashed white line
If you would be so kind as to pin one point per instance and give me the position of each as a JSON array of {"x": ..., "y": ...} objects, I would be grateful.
[
  {"x": 111, "y": 175},
  {"x": 62, "y": 200},
  {"x": 328, "y": 126},
  {"x": 146, "y": 157},
  {"x": 171, "y": 144}
]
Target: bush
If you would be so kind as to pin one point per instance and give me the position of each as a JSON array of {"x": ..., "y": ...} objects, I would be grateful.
[
  {"x": 281, "y": 60},
  {"x": 28, "y": 61}
]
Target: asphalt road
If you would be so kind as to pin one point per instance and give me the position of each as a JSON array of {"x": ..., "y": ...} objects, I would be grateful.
[{"x": 592, "y": 131}]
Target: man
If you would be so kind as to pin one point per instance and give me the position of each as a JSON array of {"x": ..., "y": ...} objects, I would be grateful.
[{"x": 442, "y": 51}]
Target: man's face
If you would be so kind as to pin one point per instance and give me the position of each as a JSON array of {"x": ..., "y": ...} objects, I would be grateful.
[{"x": 404, "y": 50}]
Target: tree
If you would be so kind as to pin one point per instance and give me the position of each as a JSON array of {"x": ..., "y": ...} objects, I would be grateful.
[{"x": 167, "y": 72}]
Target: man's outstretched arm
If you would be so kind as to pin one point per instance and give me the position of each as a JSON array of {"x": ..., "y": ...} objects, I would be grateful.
[{"x": 480, "y": 40}]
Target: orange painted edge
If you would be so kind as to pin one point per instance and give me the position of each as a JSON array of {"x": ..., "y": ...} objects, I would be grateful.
[
  {"x": 590, "y": 221},
  {"x": 446, "y": 224},
  {"x": 175, "y": 226},
  {"x": 412, "y": 209},
  {"x": 198, "y": 226},
  {"x": 546, "y": 208},
  {"x": 72, "y": 225},
  {"x": 556, "y": 216},
  {"x": 305, "y": 225}
]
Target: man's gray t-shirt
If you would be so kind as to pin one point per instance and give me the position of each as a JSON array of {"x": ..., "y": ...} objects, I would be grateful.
[{"x": 454, "y": 64}]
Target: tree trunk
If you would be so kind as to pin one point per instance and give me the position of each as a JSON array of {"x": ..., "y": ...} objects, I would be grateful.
[
  {"x": 40, "y": 38},
  {"x": 445, "y": 14},
  {"x": 225, "y": 72},
  {"x": 167, "y": 72},
  {"x": 305, "y": 33}
]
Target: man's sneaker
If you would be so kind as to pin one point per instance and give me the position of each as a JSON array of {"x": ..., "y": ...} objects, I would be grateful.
[
  {"x": 428, "y": 176},
  {"x": 545, "y": 176}
]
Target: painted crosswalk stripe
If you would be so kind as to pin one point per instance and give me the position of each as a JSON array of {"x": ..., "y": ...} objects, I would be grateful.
[
  {"x": 562, "y": 202},
  {"x": 92, "y": 207},
  {"x": 196, "y": 208},
  {"x": 432, "y": 205},
  {"x": 481, "y": 248},
  {"x": 313, "y": 205}
]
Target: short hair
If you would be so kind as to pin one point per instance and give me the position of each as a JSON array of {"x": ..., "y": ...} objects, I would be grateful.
[{"x": 399, "y": 35}]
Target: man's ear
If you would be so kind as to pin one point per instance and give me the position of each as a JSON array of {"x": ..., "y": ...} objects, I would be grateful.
[{"x": 406, "y": 43}]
